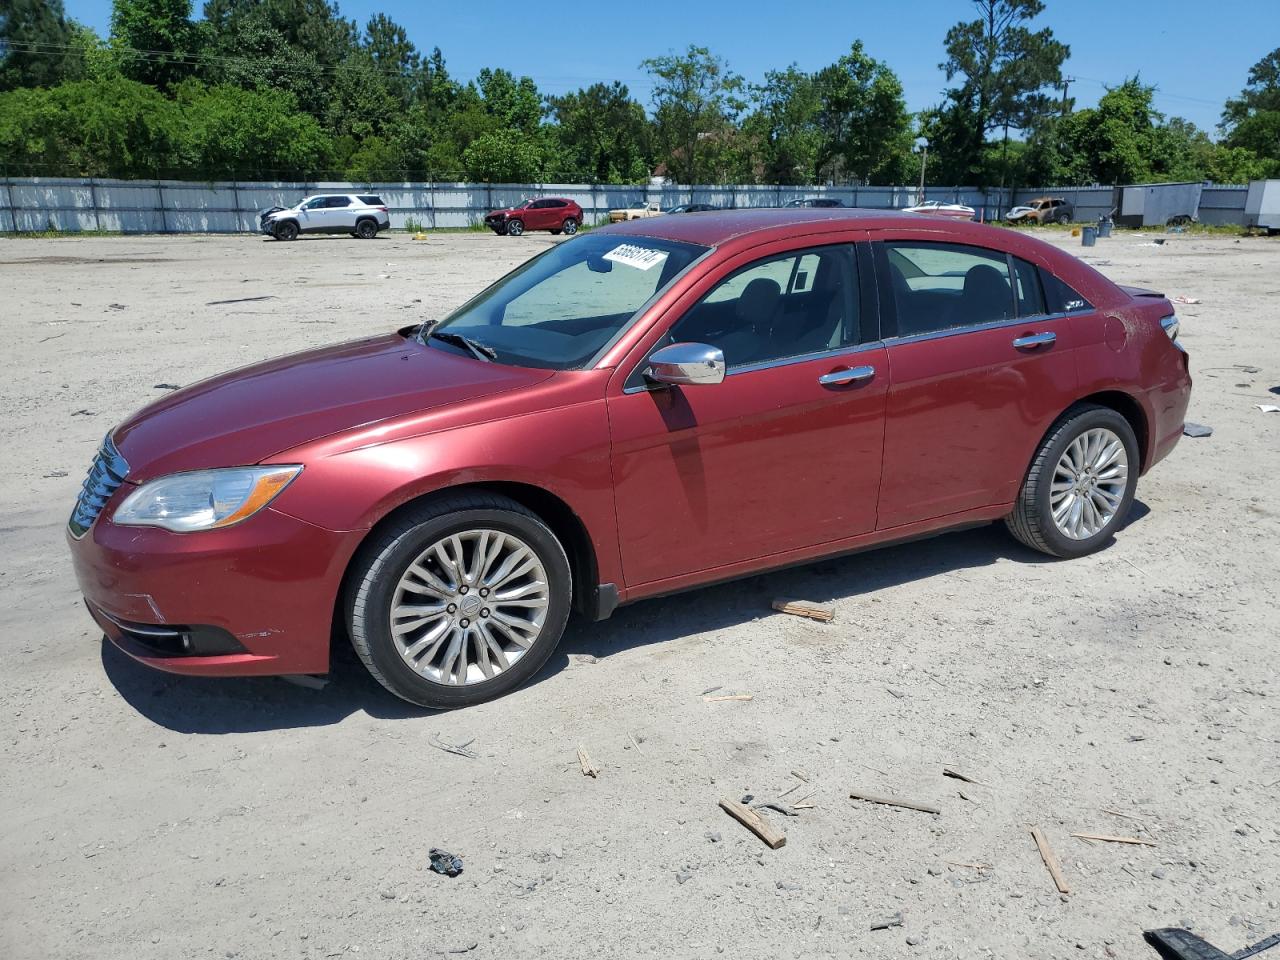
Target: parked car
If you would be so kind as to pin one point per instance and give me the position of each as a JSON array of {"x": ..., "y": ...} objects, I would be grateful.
[
  {"x": 693, "y": 208},
  {"x": 639, "y": 210},
  {"x": 936, "y": 208},
  {"x": 359, "y": 214},
  {"x": 556, "y": 214},
  {"x": 1042, "y": 210},
  {"x": 814, "y": 202},
  {"x": 642, "y": 409}
]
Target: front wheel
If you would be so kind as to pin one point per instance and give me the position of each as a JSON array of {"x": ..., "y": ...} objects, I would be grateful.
[
  {"x": 570, "y": 226},
  {"x": 1080, "y": 484},
  {"x": 287, "y": 231},
  {"x": 515, "y": 228},
  {"x": 459, "y": 601}
]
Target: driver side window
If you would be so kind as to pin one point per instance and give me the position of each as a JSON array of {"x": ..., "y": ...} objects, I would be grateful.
[{"x": 789, "y": 305}]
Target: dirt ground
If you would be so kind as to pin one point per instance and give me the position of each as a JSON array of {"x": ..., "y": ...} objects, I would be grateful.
[{"x": 1131, "y": 693}]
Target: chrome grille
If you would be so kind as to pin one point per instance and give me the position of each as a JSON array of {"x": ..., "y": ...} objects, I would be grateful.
[{"x": 107, "y": 473}]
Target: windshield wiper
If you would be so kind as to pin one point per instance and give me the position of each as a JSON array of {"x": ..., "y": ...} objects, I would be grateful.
[{"x": 481, "y": 351}]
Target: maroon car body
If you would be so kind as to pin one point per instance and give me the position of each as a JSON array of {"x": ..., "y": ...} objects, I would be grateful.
[
  {"x": 557, "y": 214},
  {"x": 649, "y": 490}
]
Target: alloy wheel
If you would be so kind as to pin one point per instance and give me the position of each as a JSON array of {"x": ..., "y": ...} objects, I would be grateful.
[
  {"x": 1089, "y": 484},
  {"x": 515, "y": 228},
  {"x": 469, "y": 606}
]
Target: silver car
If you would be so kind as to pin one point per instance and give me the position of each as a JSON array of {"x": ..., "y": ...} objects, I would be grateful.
[{"x": 359, "y": 214}]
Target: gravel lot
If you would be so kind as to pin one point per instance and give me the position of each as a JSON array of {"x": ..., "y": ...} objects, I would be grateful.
[{"x": 1133, "y": 692}]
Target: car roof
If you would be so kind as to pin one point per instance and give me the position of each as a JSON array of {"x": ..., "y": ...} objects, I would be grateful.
[{"x": 715, "y": 227}]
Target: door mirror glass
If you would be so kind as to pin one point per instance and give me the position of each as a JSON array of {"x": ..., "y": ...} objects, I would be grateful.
[{"x": 686, "y": 364}]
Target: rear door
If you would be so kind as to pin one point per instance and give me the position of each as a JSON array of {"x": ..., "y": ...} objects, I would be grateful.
[
  {"x": 340, "y": 215},
  {"x": 979, "y": 370},
  {"x": 785, "y": 452}
]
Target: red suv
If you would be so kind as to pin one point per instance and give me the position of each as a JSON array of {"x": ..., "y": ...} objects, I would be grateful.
[
  {"x": 645, "y": 408},
  {"x": 547, "y": 213}
]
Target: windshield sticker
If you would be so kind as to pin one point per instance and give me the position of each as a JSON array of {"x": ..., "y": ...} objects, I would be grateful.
[{"x": 642, "y": 258}]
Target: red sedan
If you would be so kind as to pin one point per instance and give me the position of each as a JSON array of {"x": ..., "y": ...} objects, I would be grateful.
[{"x": 649, "y": 407}]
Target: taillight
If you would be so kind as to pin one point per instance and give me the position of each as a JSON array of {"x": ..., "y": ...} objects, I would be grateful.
[{"x": 1170, "y": 325}]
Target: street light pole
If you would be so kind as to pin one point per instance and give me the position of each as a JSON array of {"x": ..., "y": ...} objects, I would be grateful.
[{"x": 924, "y": 158}]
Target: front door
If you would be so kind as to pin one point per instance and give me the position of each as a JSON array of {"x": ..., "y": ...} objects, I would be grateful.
[
  {"x": 785, "y": 452},
  {"x": 979, "y": 369}
]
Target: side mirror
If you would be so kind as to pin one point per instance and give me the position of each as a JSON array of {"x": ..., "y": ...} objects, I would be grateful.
[{"x": 687, "y": 364}]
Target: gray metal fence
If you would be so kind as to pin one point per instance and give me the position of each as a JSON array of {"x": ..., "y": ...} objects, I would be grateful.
[{"x": 172, "y": 206}]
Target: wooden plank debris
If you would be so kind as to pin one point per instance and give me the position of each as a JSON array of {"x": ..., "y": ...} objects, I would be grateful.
[
  {"x": 728, "y": 696},
  {"x": 754, "y": 822},
  {"x": 1050, "y": 860},
  {"x": 965, "y": 778},
  {"x": 1110, "y": 839},
  {"x": 588, "y": 768},
  {"x": 895, "y": 802},
  {"x": 803, "y": 608}
]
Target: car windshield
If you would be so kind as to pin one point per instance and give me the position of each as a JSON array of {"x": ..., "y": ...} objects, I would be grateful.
[{"x": 558, "y": 310}]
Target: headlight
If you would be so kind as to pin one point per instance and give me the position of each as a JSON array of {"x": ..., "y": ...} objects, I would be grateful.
[{"x": 204, "y": 499}]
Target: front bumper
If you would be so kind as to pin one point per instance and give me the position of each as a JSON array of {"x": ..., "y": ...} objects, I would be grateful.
[{"x": 254, "y": 599}]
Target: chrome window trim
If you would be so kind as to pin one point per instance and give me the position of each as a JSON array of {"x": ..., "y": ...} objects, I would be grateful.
[
  {"x": 769, "y": 364},
  {"x": 979, "y": 327}
]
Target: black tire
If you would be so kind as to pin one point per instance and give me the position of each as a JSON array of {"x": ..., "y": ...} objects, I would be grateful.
[
  {"x": 570, "y": 226},
  {"x": 515, "y": 228},
  {"x": 288, "y": 230},
  {"x": 1031, "y": 521},
  {"x": 366, "y": 229},
  {"x": 382, "y": 560},
  {"x": 500, "y": 230},
  {"x": 555, "y": 232}
]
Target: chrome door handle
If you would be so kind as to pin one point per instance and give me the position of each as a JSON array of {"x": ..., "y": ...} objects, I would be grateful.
[
  {"x": 852, "y": 375},
  {"x": 1035, "y": 340}
]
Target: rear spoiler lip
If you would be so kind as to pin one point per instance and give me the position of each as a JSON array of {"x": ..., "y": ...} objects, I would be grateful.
[{"x": 1141, "y": 292}]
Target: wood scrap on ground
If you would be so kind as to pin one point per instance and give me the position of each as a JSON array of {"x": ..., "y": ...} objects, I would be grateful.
[
  {"x": 588, "y": 768},
  {"x": 895, "y": 802},
  {"x": 754, "y": 822},
  {"x": 1107, "y": 838},
  {"x": 728, "y": 696},
  {"x": 1050, "y": 860},
  {"x": 957, "y": 775},
  {"x": 803, "y": 608}
]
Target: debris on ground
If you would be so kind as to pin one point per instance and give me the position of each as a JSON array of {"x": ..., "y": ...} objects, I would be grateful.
[
  {"x": 957, "y": 775},
  {"x": 728, "y": 696},
  {"x": 887, "y": 922},
  {"x": 781, "y": 808},
  {"x": 458, "y": 749},
  {"x": 584, "y": 761},
  {"x": 1107, "y": 838},
  {"x": 635, "y": 740},
  {"x": 1174, "y": 943},
  {"x": 1050, "y": 861},
  {"x": 803, "y": 608},
  {"x": 1187, "y": 300},
  {"x": 1190, "y": 429},
  {"x": 165, "y": 386},
  {"x": 116, "y": 306},
  {"x": 219, "y": 303},
  {"x": 711, "y": 690},
  {"x": 444, "y": 862},
  {"x": 583, "y": 658},
  {"x": 54, "y": 473},
  {"x": 1267, "y": 407},
  {"x": 894, "y": 802},
  {"x": 762, "y": 828}
]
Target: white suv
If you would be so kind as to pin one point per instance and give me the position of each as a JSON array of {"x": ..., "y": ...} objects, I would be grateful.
[{"x": 361, "y": 215}]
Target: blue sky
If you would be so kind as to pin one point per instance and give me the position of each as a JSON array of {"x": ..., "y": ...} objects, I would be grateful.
[{"x": 1196, "y": 53}]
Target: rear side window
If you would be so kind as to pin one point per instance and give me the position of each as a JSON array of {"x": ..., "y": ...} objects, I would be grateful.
[
  {"x": 1059, "y": 297},
  {"x": 1026, "y": 287},
  {"x": 944, "y": 286},
  {"x": 371, "y": 201},
  {"x": 337, "y": 201}
]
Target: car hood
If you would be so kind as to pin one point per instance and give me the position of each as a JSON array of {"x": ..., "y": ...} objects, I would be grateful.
[
  {"x": 1016, "y": 211},
  {"x": 505, "y": 211},
  {"x": 250, "y": 414}
]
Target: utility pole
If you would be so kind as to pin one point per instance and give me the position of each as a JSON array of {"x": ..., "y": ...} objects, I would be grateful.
[
  {"x": 924, "y": 157},
  {"x": 1066, "y": 82}
]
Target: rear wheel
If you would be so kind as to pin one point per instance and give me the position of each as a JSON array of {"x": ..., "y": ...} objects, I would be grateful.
[
  {"x": 515, "y": 228},
  {"x": 1080, "y": 484},
  {"x": 459, "y": 601},
  {"x": 287, "y": 231},
  {"x": 366, "y": 229}
]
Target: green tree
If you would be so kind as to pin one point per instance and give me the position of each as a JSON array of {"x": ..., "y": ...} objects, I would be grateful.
[
  {"x": 1004, "y": 69},
  {"x": 863, "y": 118},
  {"x": 696, "y": 99},
  {"x": 36, "y": 41},
  {"x": 504, "y": 156},
  {"x": 1252, "y": 120},
  {"x": 155, "y": 40},
  {"x": 247, "y": 50},
  {"x": 393, "y": 56},
  {"x": 603, "y": 134},
  {"x": 784, "y": 126}
]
